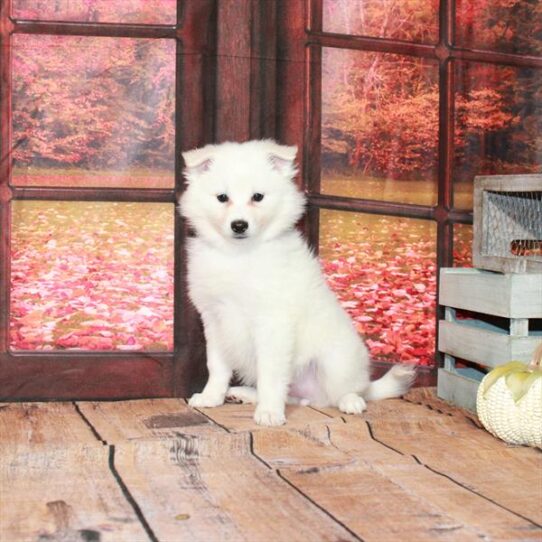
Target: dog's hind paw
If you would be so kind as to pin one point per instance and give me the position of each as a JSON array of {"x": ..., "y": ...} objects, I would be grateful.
[
  {"x": 352, "y": 403},
  {"x": 245, "y": 394}
]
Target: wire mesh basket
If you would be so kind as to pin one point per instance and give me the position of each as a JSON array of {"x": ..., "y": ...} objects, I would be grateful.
[{"x": 508, "y": 223}]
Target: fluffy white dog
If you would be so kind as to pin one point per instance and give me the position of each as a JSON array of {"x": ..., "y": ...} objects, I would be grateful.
[{"x": 269, "y": 316}]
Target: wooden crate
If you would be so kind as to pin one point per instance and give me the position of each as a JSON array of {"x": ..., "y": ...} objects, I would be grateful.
[
  {"x": 508, "y": 223},
  {"x": 517, "y": 297}
]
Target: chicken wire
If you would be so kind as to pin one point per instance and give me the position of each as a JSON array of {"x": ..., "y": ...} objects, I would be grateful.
[{"x": 512, "y": 224}]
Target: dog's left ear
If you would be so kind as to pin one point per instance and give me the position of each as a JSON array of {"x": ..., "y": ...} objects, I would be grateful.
[{"x": 282, "y": 158}]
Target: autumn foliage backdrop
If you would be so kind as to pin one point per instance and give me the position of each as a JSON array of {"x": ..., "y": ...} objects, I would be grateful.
[{"x": 100, "y": 112}]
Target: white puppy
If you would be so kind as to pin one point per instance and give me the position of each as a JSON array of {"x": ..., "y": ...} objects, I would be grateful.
[{"x": 269, "y": 316}]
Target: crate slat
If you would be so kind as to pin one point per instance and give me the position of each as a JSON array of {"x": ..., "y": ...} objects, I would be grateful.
[
  {"x": 483, "y": 343},
  {"x": 507, "y": 295},
  {"x": 459, "y": 386}
]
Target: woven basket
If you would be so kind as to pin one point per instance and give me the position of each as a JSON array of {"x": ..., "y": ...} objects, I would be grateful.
[{"x": 509, "y": 401}]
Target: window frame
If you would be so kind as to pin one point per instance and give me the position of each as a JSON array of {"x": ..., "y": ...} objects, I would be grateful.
[
  {"x": 31, "y": 375},
  {"x": 302, "y": 120}
]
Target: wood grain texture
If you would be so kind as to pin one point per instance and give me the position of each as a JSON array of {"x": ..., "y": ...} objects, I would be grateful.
[
  {"x": 457, "y": 449},
  {"x": 401, "y": 501},
  {"x": 484, "y": 344},
  {"x": 519, "y": 296},
  {"x": 57, "y": 376},
  {"x": 427, "y": 396},
  {"x": 232, "y": 121},
  {"x": 29, "y": 426},
  {"x": 407, "y": 469},
  {"x": 117, "y": 422},
  {"x": 6, "y": 28},
  {"x": 238, "y": 417},
  {"x": 430, "y": 506},
  {"x": 307, "y": 447},
  {"x": 374, "y": 507},
  {"x": 67, "y": 495},
  {"x": 458, "y": 387},
  {"x": 213, "y": 488}
]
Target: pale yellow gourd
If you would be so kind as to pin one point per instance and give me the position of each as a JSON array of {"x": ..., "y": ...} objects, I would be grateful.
[{"x": 509, "y": 401}]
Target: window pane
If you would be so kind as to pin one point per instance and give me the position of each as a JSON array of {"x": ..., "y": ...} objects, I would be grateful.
[
  {"x": 462, "y": 245},
  {"x": 498, "y": 124},
  {"x": 110, "y": 11},
  {"x": 383, "y": 271},
  {"x": 510, "y": 27},
  {"x": 409, "y": 20},
  {"x": 91, "y": 276},
  {"x": 93, "y": 111},
  {"x": 379, "y": 126}
]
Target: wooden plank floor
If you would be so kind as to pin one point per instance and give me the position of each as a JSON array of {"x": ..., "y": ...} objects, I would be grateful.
[{"x": 411, "y": 469}]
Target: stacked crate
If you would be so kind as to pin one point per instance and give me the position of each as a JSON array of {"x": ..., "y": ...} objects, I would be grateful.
[{"x": 503, "y": 294}]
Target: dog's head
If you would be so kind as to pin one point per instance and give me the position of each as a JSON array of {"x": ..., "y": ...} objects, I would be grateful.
[{"x": 237, "y": 192}]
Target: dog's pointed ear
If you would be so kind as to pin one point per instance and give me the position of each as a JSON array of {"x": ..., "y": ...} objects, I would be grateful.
[
  {"x": 198, "y": 161},
  {"x": 282, "y": 158}
]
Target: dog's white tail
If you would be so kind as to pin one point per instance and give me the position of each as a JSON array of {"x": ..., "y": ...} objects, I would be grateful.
[{"x": 393, "y": 384}]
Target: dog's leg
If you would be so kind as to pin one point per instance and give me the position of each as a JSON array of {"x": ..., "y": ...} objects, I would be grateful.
[
  {"x": 274, "y": 352},
  {"x": 345, "y": 377},
  {"x": 220, "y": 372}
]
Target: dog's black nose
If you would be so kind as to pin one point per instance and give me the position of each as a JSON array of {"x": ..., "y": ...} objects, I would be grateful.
[{"x": 239, "y": 226}]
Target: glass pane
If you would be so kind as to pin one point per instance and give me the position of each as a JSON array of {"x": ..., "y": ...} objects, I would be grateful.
[
  {"x": 102, "y": 11},
  {"x": 510, "y": 26},
  {"x": 409, "y": 20},
  {"x": 383, "y": 271},
  {"x": 91, "y": 276},
  {"x": 93, "y": 111},
  {"x": 462, "y": 245},
  {"x": 498, "y": 124},
  {"x": 379, "y": 126}
]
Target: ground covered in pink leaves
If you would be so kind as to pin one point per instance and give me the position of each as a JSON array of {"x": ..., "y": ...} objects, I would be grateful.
[
  {"x": 383, "y": 270},
  {"x": 92, "y": 276}
]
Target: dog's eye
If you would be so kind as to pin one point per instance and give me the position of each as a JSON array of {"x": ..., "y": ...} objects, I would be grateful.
[
  {"x": 257, "y": 197},
  {"x": 222, "y": 198}
]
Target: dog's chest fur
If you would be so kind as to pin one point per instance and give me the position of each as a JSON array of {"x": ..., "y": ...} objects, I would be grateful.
[{"x": 251, "y": 277}]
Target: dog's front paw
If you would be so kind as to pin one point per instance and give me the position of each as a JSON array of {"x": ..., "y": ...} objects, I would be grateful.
[
  {"x": 264, "y": 416},
  {"x": 205, "y": 400},
  {"x": 352, "y": 403}
]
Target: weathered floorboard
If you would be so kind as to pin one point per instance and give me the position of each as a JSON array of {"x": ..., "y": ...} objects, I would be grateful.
[
  {"x": 414, "y": 469},
  {"x": 308, "y": 446},
  {"x": 64, "y": 495},
  {"x": 207, "y": 488},
  {"x": 345, "y": 455},
  {"x": 143, "y": 419},
  {"x": 51, "y": 425},
  {"x": 454, "y": 447},
  {"x": 374, "y": 507},
  {"x": 240, "y": 417}
]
